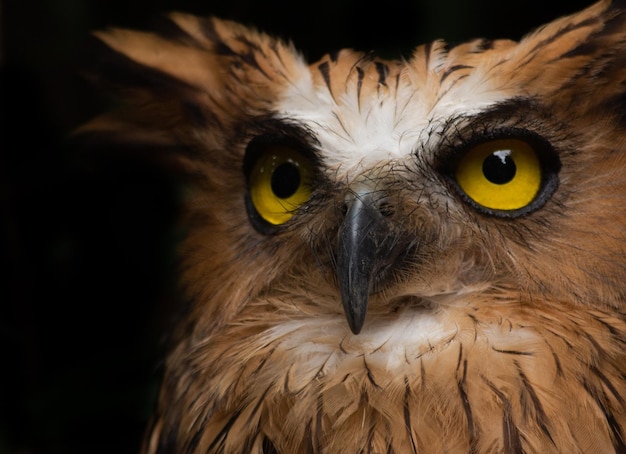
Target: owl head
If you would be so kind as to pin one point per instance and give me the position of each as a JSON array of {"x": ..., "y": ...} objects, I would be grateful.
[
  {"x": 491, "y": 167},
  {"x": 356, "y": 204}
]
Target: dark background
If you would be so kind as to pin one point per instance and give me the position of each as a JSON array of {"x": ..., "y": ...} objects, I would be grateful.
[{"x": 86, "y": 243}]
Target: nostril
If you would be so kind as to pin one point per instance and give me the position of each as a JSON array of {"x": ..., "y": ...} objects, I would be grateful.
[
  {"x": 343, "y": 208},
  {"x": 386, "y": 209}
]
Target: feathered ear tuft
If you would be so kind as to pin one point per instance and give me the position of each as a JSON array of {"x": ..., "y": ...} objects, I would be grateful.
[
  {"x": 190, "y": 72},
  {"x": 581, "y": 54}
]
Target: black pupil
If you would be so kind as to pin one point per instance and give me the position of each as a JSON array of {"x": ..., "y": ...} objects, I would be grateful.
[
  {"x": 285, "y": 180},
  {"x": 499, "y": 168}
]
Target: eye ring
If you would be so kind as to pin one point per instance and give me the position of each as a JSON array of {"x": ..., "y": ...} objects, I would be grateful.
[
  {"x": 507, "y": 175},
  {"x": 279, "y": 181}
]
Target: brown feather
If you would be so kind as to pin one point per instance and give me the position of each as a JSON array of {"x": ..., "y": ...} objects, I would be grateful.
[{"x": 486, "y": 334}]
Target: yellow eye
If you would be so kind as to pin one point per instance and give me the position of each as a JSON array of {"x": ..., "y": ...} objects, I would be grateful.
[
  {"x": 503, "y": 174},
  {"x": 279, "y": 183}
]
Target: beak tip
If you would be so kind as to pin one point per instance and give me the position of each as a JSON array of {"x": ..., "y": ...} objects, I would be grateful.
[
  {"x": 355, "y": 321},
  {"x": 355, "y": 329}
]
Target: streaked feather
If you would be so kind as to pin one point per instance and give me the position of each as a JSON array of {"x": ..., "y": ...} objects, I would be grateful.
[{"x": 493, "y": 335}]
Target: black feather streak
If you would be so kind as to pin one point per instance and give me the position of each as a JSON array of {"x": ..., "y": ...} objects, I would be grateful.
[
  {"x": 257, "y": 406},
  {"x": 208, "y": 30},
  {"x": 407, "y": 414},
  {"x": 324, "y": 69},
  {"x": 220, "y": 438},
  {"x": 466, "y": 406},
  {"x": 370, "y": 376},
  {"x": 542, "y": 419},
  {"x": 452, "y": 69},
  {"x": 608, "y": 384},
  {"x": 510, "y": 432},
  {"x": 168, "y": 441},
  {"x": 616, "y": 431},
  {"x": 359, "y": 84},
  {"x": 484, "y": 45},
  {"x": 563, "y": 31},
  {"x": 512, "y": 352},
  {"x": 383, "y": 71},
  {"x": 428, "y": 48},
  {"x": 318, "y": 423},
  {"x": 268, "y": 446}
]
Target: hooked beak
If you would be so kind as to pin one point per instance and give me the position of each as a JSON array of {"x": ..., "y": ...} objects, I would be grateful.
[{"x": 364, "y": 247}]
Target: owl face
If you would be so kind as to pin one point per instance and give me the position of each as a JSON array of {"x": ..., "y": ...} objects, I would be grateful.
[{"x": 398, "y": 250}]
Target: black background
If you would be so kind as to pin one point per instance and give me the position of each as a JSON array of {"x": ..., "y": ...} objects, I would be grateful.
[{"x": 86, "y": 243}]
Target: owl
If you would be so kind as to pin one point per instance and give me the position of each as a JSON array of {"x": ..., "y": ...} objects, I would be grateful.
[{"x": 423, "y": 255}]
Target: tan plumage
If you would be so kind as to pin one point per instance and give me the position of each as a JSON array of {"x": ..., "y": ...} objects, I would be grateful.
[{"x": 488, "y": 328}]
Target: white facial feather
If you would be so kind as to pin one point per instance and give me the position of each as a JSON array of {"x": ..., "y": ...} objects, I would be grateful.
[
  {"x": 357, "y": 133},
  {"x": 325, "y": 346}
]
